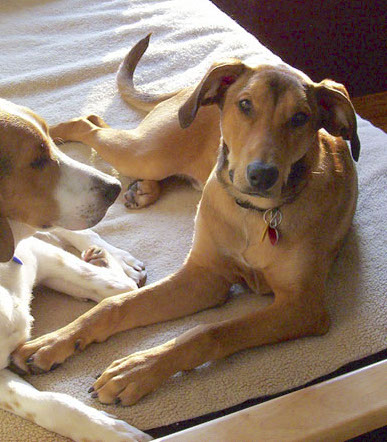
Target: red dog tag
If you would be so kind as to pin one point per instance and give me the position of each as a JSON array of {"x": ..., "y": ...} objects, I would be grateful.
[{"x": 273, "y": 235}]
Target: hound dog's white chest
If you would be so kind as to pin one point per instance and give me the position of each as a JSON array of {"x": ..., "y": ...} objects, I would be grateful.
[{"x": 16, "y": 282}]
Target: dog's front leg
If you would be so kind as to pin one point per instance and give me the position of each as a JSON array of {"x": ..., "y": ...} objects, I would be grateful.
[
  {"x": 189, "y": 290},
  {"x": 130, "y": 378},
  {"x": 84, "y": 239},
  {"x": 97, "y": 276},
  {"x": 62, "y": 413}
]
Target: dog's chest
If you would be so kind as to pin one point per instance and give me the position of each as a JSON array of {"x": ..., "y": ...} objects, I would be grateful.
[
  {"x": 16, "y": 282},
  {"x": 251, "y": 264},
  {"x": 248, "y": 250},
  {"x": 15, "y": 321},
  {"x": 18, "y": 275}
]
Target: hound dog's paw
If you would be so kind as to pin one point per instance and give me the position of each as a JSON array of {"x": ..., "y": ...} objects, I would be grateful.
[
  {"x": 131, "y": 266},
  {"x": 110, "y": 279},
  {"x": 97, "y": 256},
  {"x": 142, "y": 193},
  {"x": 128, "y": 379}
]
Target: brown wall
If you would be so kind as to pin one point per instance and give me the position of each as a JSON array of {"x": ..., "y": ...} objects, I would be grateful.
[{"x": 343, "y": 40}]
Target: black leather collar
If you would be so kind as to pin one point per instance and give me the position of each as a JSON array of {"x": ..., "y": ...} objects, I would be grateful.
[{"x": 248, "y": 205}]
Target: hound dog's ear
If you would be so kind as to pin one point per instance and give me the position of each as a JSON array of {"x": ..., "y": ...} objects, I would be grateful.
[
  {"x": 7, "y": 245},
  {"x": 337, "y": 114},
  {"x": 211, "y": 89}
]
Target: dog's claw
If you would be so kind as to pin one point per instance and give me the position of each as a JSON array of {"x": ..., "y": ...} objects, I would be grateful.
[
  {"x": 36, "y": 370},
  {"x": 90, "y": 390},
  {"x": 16, "y": 369}
]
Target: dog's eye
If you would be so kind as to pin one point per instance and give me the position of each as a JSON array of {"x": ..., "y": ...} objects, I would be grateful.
[
  {"x": 39, "y": 163},
  {"x": 299, "y": 119},
  {"x": 245, "y": 106}
]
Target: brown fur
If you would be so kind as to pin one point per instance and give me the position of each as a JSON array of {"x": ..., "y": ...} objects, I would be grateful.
[
  {"x": 24, "y": 146},
  {"x": 316, "y": 191},
  {"x": 24, "y": 186}
]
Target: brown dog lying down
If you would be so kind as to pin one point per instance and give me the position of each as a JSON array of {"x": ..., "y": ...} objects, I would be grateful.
[{"x": 274, "y": 213}]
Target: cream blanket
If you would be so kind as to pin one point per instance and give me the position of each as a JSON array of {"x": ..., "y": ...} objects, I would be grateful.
[{"x": 59, "y": 57}]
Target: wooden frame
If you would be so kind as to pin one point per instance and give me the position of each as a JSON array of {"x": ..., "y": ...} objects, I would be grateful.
[{"x": 334, "y": 410}]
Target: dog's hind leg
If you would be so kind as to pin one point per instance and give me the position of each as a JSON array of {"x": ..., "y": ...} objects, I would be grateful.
[
  {"x": 157, "y": 149},
  {"x": 124, "y": 151}
]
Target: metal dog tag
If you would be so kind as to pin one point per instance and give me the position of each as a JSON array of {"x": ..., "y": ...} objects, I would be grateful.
[{"x": 272, "y": 218}]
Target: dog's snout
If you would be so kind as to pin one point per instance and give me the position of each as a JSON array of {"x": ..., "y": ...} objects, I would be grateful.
[
  {"x": 108, "y": 189},
  {"x": 261, "y": 175},
  {"x": 111, "y": 191}
]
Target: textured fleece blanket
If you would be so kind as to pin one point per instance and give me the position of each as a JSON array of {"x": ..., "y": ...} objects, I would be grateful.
[{"x": 59, "y": 57}]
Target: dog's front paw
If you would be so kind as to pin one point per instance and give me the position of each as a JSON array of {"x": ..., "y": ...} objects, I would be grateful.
[
  {"x": 127, "y": 380},
  {"x": 45, "y": 353},
  {"x": 97, "y": 256},
  {"x": 132, "y": 267},
  {"x": 111, "y": 279},
  {"x": 142, "y": 193}
]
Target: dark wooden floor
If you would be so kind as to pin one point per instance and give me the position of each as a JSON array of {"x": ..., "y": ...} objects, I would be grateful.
[
  {"x": 339, "y": 39},
  {"x": 344, "y": 40},
  {"x": 373, "y": 108}
]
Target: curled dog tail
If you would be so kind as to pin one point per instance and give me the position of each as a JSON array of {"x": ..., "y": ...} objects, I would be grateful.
[{"x": 137, "y": 99}]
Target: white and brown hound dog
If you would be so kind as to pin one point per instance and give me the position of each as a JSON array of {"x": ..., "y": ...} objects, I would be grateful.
[{"x": 41, "y": 188}]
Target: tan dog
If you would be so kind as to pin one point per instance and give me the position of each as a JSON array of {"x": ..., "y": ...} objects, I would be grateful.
[{"x": 273, "y": 214}]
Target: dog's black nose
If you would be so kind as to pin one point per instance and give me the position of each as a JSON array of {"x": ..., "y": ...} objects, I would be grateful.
[
  {"x": 112, "y": 191},
  {"x": 261, "y": 175}
]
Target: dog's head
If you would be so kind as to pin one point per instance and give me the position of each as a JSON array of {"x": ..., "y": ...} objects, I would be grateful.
[
  {"x": 270, "y": 116},
  {"x": 41, "y": 186}
]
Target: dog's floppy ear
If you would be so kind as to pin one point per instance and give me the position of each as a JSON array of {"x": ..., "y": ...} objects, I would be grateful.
[
  {"x": 211, "y": 89},
  {"x": 7, "y": 246},
  {"x": 337, "y": 114}
]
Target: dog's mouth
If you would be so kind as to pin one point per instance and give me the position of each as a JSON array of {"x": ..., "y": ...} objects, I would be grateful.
[
  {"x": 226, "y": 177},
  {"x": 46, "y": 226},
  {"x": 251, "y": 198},
  {"x": 87, "y": 216},
  {"x": 250, "y": 191},
  {"x": 283, "y": 190},
  {"x": 258, "y": 194}
]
